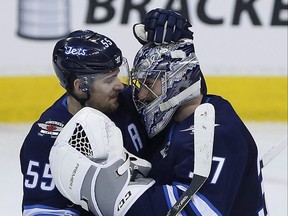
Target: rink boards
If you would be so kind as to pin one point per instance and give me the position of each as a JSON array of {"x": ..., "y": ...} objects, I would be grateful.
[{"x": 23, "y": 99}]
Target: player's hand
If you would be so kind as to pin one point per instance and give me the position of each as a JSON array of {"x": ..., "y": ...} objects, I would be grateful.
[{"x": 162, "y": 26}]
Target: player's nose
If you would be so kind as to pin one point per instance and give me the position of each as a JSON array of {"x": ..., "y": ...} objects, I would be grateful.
[
  {"x": 143, "y": 93},
  {"x": 119, "y": 86}
]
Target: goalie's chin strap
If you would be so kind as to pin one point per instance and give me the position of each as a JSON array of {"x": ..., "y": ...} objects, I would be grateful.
[{"x": 192, "y": 91}]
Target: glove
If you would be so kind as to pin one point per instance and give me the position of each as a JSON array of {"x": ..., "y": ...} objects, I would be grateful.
[
  {"x": 162, "y": 26},
  {"x": 91, "y": 168}
]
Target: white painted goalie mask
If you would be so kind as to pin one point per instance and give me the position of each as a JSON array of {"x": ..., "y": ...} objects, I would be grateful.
[{"x": 177, "y": 66}]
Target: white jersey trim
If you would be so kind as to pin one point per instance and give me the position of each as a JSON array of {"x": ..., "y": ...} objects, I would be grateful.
[{"x": 38, "y": 209}]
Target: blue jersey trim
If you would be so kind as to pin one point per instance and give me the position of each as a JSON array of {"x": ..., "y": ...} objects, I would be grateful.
[
  {"x": 49, "y": 208},
  {"x": 64, "y": 102},
  {"x": 207, "y": 99},
  {"x": 193, "y": 207},
  {"x": 191, "y": 204}
]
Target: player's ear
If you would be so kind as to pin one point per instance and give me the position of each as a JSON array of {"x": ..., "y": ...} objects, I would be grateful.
[{"x": 79, "y": 88}]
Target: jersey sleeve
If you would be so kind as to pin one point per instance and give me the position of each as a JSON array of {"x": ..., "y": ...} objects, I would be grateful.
[
  {"x": 40, "y": 195},
  {"x": 159, "y": 199}
]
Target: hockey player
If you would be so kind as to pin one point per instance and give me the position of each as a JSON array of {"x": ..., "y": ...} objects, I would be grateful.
[
  {"x": 168, "y": 87},
  {"x": 87, "y": 65}
]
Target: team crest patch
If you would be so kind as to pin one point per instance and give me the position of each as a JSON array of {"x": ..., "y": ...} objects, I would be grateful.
[{"x": 51, "y": 128}]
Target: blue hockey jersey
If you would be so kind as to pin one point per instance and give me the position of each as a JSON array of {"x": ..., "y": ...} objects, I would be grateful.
[
  {"x": 40, "y": 196},
  {"x": 234, "y": 185}
]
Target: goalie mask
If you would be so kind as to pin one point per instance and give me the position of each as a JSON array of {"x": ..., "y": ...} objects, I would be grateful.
[{"x": 177, "y": 66}]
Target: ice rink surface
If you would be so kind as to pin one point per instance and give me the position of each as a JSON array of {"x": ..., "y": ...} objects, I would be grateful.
[{"x": 265, "y": 134}]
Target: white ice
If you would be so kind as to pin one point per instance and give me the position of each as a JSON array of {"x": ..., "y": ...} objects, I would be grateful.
[{"x": 265, "y": 134}]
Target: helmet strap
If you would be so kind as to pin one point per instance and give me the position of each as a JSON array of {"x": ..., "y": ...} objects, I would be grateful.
[
  {"x": 82, "y": 101},
  {"x": 191, "y": 92}
]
